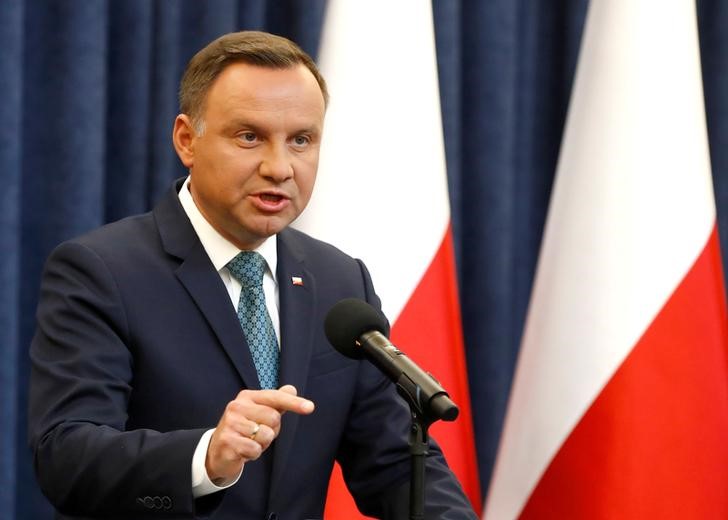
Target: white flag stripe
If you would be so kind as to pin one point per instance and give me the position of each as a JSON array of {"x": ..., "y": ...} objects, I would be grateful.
[
  {"x": 382, "y": 171},
  {"x": 632, "y": 209}
]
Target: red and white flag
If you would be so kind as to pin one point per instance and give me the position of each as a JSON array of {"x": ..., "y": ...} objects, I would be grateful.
[
  {"x": 619, "y": 407},
  {"x": 381, "y": 195}
]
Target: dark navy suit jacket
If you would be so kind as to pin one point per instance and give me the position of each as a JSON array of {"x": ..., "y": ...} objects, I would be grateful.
[{"x": 138, "y": 350}]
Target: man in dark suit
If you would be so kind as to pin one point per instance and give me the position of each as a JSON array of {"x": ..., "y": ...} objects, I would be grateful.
[{"x": 150, "y": 397}]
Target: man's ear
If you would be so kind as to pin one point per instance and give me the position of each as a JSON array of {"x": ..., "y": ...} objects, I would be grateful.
[{"x": 183, "y": 138}]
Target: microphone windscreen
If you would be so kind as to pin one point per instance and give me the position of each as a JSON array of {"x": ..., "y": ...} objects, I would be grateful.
[{"x": 348, "y": 320}]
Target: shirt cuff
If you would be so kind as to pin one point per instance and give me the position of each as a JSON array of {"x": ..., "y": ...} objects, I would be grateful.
[{"x": 201, "y": 483}]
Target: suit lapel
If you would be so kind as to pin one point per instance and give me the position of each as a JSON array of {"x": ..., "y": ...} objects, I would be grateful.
[
  {"x": 207, "y": 290},
  {"x": 203, "y": 283},
  {"x": 297, "y": 292}
]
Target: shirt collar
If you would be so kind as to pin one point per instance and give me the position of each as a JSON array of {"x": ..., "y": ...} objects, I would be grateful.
[{"x": 218, "y": 248}]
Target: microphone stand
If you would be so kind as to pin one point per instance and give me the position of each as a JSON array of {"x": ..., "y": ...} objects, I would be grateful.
[
  {"x": 418, "y": 453},
  {"x": 423, "y": 414}
]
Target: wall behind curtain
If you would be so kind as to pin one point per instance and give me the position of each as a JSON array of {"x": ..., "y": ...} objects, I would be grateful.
[{"x": 89, "y": 97}]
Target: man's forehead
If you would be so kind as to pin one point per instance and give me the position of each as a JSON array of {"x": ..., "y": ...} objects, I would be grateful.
[{"x": 253, "y": 83}]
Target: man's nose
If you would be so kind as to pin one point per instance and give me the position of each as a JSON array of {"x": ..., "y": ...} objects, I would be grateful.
[{"x": 276, "y": 163}]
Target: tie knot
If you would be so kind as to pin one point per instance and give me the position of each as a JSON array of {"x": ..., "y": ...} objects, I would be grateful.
[{"x": 248, "y": 268}]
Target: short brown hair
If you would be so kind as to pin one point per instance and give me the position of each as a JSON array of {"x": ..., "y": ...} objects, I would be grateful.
[{"x": 251, "y": 47}]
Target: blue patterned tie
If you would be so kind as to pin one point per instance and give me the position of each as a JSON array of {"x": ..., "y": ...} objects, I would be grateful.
[{"x": 248, "y": 268}]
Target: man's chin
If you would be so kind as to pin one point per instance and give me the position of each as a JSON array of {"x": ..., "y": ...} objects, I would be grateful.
[{"x": 266, "y": 227}]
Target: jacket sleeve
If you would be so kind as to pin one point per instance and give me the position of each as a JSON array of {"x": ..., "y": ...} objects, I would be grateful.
[{"x": 80, "y": 383}]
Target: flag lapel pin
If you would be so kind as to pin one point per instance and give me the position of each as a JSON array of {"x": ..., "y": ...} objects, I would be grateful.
[{"x": 297, "y": 280}]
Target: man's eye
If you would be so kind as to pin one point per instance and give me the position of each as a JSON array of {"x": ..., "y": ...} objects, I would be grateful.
[
  {"x": 301, "y": 140},
  {"x": 248, "y": 137}
]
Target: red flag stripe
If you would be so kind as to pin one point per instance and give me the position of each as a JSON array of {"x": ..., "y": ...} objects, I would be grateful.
[{"x": 653, "y": 444}]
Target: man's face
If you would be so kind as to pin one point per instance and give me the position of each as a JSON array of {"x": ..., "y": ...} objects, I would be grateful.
[{"x": 253, "y": 167}]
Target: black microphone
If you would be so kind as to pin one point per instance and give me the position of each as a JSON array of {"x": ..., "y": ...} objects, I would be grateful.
[{"x": 358, "y": 330}]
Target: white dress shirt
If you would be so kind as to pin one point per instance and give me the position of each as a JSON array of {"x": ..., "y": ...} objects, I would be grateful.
[{"x": 221, "y": 251}]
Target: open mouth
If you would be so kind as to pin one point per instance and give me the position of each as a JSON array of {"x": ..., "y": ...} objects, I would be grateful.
[
  {"x": 271, "y": 202},
  {"x": 269, "y": 197}
]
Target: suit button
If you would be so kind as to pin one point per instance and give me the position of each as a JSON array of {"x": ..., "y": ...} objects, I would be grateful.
[
  {"x": 166, "y": 502},
  {"x": 149, "y": 502}
]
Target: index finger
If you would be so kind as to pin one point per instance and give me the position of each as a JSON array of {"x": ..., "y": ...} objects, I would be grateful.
[{"x": 284, "y": 401}]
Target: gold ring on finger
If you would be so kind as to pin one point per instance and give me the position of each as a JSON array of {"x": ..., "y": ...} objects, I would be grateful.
[{"x": 255, "y": 431}]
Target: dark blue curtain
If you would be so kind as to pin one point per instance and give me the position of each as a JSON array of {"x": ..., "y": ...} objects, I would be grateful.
[{"x": 89, "y": 96}]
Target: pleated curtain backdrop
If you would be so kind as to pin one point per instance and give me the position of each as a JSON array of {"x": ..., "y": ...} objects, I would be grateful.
[{"x": 89, "y": 97}]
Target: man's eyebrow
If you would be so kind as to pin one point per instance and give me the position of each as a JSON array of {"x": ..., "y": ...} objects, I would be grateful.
[
  {"x": 312, "y": 129},
  {"x": 237, "y": 124},
  {"x": 244, "y": 125}
]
